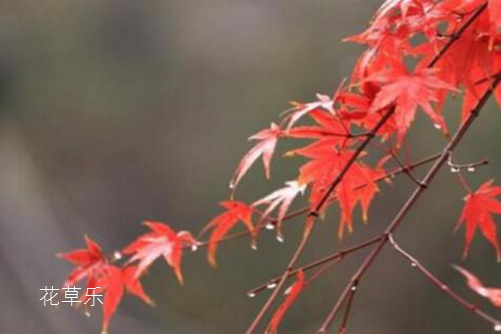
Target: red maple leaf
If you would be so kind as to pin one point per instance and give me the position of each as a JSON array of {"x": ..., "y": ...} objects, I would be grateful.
[
  {"x": 325, "y": 165},
  {"x": 265, "y": 147},
  {"x": 162, "y": 241},
  {"x": 493, "y": 294},
  {"x": 301, "y": 109},
  {"x": 235, "y": 212},
  {"x": 281, "y": 198},
  {"x": 390, "y": 6},
  {"x": 291, "y": 295},
  {"x": 89, "y": 261},
  {"x": 328, "y": 125},
  {"x": 408, "y": 91},
  {"x": 477, "y": 212},
  {"x": 113, "y": 281},
  {"x": 494, "y": 7}
]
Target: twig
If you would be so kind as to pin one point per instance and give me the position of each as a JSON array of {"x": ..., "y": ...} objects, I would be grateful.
[
  {"x": 326, "y": 260},
  {"x": 401, "y": 164},
  {"x": 443, "y": 287},
  {"x": 306, "y": 235},
  {"x": 347, "y": 312}
]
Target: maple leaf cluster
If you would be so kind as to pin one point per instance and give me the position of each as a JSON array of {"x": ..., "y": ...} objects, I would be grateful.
[
  {"x": 383, "y": 84},
  {"x": 106, "y": 277}
]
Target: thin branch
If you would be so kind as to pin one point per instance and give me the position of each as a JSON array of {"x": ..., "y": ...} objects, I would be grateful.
[
  {"x": 420, "y": 189},
  {"x": 306, "y": 235},
  {"x": 455, "y": 168},
  {"x": 401, "y": 164},
  {"x": 444, "y": 287},
  {"x": 326, "y": 260},
  {"x": 347, "y": 312},
  {"x": 463, "y": 182}
]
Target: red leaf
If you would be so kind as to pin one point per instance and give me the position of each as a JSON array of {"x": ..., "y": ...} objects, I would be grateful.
[
  {"x": 292, "y": 293},
  {"x": 408, "y": 91},
  {"x": 112, "y": 283},
  {"x": 494, "y": 7},
  {"x": 265, "y": 147},
  {"x": 493, "y": 294},
  {"x": 404, "y": 6},
  {"x": 323, "y": 103},
  {"x": 477, "y": 212},
  {"x": 162, "y": 241},
  {"x": 89, "y": 262},
  {"x": 301, "y": 109},
  {"x": 281, "y": 198},
  {"x": 328, "y": 126},
  {"x": 236, "y": 212},
  {"x": 325, "y": 166}
]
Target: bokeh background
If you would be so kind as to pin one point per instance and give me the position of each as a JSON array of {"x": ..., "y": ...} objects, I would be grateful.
[{"x": 117, "y": 111}]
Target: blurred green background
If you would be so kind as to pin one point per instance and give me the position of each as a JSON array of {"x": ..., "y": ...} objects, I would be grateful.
[{"x": 117, "y": 111}]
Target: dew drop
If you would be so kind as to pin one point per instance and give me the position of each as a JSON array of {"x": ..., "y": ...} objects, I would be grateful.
[
  {"x": 271, "y": 286},
  {"x": 471, "y": 169},
  {"x": 280, "y": 238},
  {"x": 117, "y": 255},
  {"x": 454, "y": 170},
  {"x": 254, "y": 247},
  {"x": 288, "y": 290},
  {"x": 497, "y": 328},
  {"x": 413, "y": 264},
  {"x": 232, "y": 185},
  {"x": 251, "y": 295},
  {"x": 87, "y": 314},
  {"x": 353, "y": 288},
  {"x": 194, "y": 248},
  {"x": 437, "y": 126},
  {"x": 270, "y": 226}
]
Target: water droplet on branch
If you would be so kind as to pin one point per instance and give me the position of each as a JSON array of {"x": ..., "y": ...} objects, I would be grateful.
[
  {"x": 271, "y": 286},
  {"x": 270, "y": 226}
]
